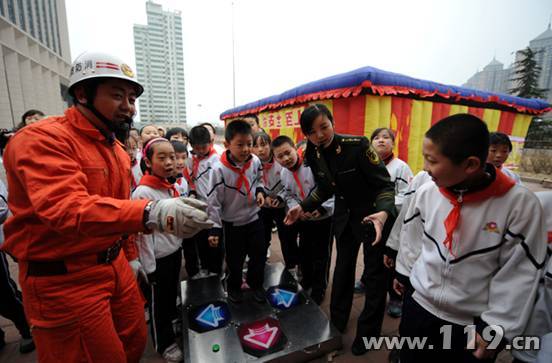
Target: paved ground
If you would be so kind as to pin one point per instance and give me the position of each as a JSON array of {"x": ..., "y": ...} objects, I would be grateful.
[{"x": 390, "y": 326}]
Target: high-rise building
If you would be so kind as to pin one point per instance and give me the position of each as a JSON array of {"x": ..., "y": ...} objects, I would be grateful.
[
  {"x": 34, "y": 58},
  {"x": 543, "y": 46},
  {"x": 495, "y": 78},
  {"x": 160, "y": 66}
]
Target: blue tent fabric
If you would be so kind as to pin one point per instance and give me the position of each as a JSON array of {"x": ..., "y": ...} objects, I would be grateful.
[{"x": 380, "y": 77}]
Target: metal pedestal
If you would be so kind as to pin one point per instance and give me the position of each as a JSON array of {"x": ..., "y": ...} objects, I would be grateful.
[{"x": 305, "y": 331}]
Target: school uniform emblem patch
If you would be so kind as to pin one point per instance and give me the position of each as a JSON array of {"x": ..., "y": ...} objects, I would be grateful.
[
  {"x": 170, "y": 223},
  {"x": 491, "y": 227}
]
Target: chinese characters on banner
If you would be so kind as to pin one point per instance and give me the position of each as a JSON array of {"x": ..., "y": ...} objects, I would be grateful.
[
  {"x": 282, "y": 122},
  {"x": 286, "y": 117}
]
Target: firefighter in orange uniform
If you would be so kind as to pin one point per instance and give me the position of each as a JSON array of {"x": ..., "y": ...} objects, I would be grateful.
[{"x": 69, "y": 183}]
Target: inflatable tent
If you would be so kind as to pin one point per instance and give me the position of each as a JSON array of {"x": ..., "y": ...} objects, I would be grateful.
[{"x": 367, "y": 98}]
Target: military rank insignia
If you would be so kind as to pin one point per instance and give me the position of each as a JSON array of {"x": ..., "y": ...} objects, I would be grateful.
[{"x": 372, "y": 156}]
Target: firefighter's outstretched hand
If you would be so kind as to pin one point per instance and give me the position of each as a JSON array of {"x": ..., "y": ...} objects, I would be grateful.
[
  {"x": 182, "y": 217},
  {"x": 194, "y": 202}
]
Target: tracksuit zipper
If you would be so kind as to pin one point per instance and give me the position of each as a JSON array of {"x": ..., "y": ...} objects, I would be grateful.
[{"x": 446, "y": 268}]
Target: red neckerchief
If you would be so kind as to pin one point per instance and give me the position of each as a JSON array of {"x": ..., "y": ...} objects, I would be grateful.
[
  {"x": 295, "y": 172},
  {"x": 550, "y": 237},
  {"x": 195, "y": 167},
  {"x": 158, "y": 183},
  {"x": 242, "y": 178},
  {"x": 388, "y": 158},
  {"x": 187, "y": 176},
  {"x": 266, "y": 168},
  {"x": 500, "y": 186}
]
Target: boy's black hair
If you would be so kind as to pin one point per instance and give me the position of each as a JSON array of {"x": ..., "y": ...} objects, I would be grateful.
[
  {"x": 174, "y": 131},
  {"x": 237, "y": 127},
  {"x": 253, "y": 116},
  {"x": 499, "y": 138},
  {"x": 461, "y": 136},
  {"x": 199, "y": 135},
  {"x": 310, "y": 114},
  {"x": 210, "y": 125},
  {"x": 263, "y": 136},
  {"x": 380, "y": 129},
  {"x": 281, "y": 140},
  {"x": 179, "y": 147}
]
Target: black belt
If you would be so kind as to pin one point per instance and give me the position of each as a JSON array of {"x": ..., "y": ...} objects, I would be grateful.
[{"x": 53, "y": 268}]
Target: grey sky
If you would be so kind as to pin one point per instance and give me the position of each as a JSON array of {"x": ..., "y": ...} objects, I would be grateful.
[{"x": 281, "y": 44}]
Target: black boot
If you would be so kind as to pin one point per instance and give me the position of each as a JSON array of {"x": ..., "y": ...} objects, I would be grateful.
[
  {"x": 235, "y": 296},
  {"x": 358, "y": 347},
  {"x": 26, "y": 345},
  {"x": 259, "y": 296},
  {"x": 394, "y": 356}
]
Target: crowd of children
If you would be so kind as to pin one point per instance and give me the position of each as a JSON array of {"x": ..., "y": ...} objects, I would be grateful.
[
  {"x": 468, "y": 248},
  {"x": 449, "y": 269}
]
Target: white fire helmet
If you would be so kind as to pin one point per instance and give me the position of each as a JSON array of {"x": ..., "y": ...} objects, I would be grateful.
[{"x": 90, "y": 65}]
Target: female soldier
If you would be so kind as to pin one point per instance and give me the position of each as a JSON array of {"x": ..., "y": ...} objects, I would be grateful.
[{"x": 348, "y": 167}]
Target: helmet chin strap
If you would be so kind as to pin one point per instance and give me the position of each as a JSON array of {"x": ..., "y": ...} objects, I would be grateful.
[{"x": 121, "y": 133}]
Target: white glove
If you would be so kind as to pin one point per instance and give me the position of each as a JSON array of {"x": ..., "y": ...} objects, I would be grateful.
[
  {"x": 196, "y": 203},
  {"x": 138, "y": 270},
  {"x": 182, "y": 217}
]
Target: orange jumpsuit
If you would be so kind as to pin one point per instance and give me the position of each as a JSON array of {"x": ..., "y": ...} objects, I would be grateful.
[{"x": 68, "y": 192}]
